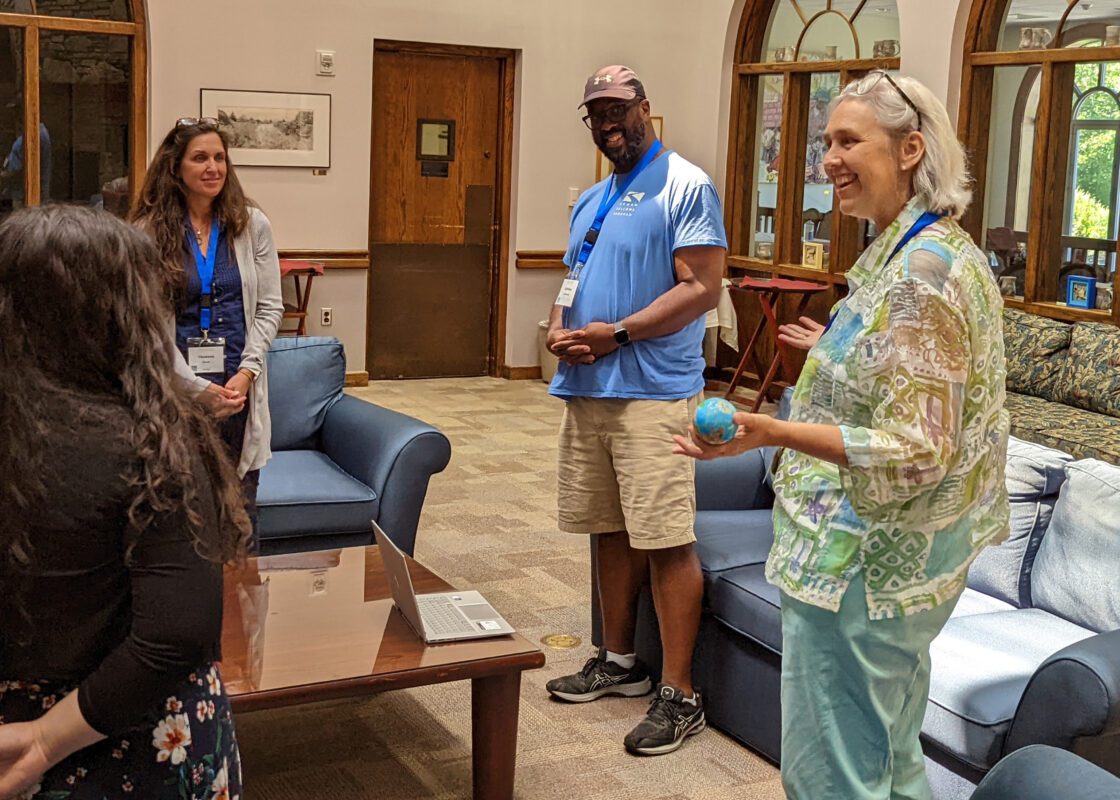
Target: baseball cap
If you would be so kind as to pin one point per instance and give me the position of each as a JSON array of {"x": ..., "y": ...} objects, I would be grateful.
[{"x": 615, "y": 81}]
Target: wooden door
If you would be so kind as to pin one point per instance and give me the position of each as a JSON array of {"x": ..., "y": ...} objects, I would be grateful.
[{"x": 434, "y": 198}]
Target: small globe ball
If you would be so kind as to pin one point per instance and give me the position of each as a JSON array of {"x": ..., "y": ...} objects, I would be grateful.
[{"x": 713, "y": 421}]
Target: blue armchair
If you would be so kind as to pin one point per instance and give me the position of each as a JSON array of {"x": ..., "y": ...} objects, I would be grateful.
[
  {"x": 1039, "y": 772},
  {"x": 337, "y": 461}
]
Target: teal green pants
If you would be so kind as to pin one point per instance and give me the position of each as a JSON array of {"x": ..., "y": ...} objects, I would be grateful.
[{"x": 854, "y": 693}]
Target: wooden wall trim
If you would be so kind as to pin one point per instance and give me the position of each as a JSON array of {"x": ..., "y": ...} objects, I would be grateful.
[
  {"x": 540, "y": 259},
  {"x": 521, "y": 373},
  {"x": 357, "y": 378},
  {"x": 332, "y": 259}
]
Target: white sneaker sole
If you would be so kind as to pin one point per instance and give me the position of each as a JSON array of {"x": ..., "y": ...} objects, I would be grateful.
[
  {"x": 669, "y": 748},
  {"x": 621, "y": 690}
]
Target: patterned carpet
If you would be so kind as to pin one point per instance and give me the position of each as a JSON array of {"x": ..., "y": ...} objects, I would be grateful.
[{"x": 489, "y": 524}]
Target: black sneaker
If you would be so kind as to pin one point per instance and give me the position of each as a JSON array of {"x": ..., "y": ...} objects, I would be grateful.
[
  {"x": 669, "y": 721},
  {"x": 598, "y": 678}
]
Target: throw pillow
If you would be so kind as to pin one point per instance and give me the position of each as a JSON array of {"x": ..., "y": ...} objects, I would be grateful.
[
  {"x": 1090, "y": 377},
  {"x": 1036, "y": 349}
]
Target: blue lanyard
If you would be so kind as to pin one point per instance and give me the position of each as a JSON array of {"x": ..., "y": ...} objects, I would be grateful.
[
  {"x": 607, "y": 203},
  {"x": 205, "y": 265},
  {"x": 923, "y": 222}
]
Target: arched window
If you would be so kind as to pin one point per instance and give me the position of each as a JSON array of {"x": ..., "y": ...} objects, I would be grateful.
[
  {"x": 1040, "y": 118},
  {"x": 73, "y": 77},
  {"x": 792, "y": 57}
]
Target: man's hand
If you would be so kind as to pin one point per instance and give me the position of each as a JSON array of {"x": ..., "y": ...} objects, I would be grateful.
[
  {"x": 599, "y": 337},
  {"x": 569, "y": 346},
  {"x": 755, "y": 430},
  {"x": 802, "y": 334}
]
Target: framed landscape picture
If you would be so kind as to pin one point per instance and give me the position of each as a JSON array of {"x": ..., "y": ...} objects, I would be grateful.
[{"x": 272, "y": 129}]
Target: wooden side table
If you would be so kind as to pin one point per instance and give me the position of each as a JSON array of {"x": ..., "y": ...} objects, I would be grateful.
[
  {"x": 768, "y": 291},
  {"x": 298, "y": 311}
]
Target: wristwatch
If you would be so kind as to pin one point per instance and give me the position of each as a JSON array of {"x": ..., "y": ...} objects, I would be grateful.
[{"x": 621, "y": 335}]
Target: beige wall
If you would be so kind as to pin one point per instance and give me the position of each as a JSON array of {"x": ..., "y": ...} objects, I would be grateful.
[{"x": 682, "y": 50}]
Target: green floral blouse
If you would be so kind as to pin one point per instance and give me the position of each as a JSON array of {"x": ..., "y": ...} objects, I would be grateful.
[{"x": 912, "y": 371}]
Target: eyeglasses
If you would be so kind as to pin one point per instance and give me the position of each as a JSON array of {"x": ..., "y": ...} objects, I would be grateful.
[
  {"x": 615, "y": 113},
  {"x": 186, "y": 122},
  {"x": 906, "y": 98}
]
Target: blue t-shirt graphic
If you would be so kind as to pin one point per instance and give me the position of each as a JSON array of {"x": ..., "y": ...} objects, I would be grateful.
[{"x": 672, "y": 204}]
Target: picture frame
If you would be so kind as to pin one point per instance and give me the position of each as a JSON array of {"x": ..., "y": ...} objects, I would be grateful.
[
  {"x": 1081, "y": 291},
  {"x": 812, "y": 255},
  {"x": 272, "y": 129},
  {"x": 603, "y": 164}
]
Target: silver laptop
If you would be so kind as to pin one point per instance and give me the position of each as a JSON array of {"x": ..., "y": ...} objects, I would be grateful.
[{"x": 442, "y": 617}]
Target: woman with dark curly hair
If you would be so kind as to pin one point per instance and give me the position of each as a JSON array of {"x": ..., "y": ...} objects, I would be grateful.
[
  {"x": 118, "y": 508},
  {"x": 220, "y": 269}
]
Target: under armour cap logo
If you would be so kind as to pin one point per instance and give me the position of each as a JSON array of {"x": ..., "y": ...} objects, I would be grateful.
[{"x": 603, "y": 79}]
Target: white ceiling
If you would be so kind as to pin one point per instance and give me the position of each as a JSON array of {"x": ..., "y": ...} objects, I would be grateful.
[{"x": 1027, "y": 11}]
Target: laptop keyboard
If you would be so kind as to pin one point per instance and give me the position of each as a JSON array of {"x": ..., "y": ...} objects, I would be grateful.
[{"x": 441, "y": 618}]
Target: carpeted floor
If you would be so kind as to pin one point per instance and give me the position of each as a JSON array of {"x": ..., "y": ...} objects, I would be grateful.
[{"x": 489, "y": 524}]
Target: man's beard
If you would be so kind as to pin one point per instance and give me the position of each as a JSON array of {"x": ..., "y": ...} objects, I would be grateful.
[{"x": 635, "y": 137}]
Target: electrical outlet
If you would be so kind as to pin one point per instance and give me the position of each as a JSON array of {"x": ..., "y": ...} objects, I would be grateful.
[{"x": 326, "y": 317}]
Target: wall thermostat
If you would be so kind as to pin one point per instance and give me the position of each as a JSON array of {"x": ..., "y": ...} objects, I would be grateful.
[{"x": 324, "y": 62}]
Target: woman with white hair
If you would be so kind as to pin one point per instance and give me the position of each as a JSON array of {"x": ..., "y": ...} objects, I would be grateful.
[{"x": 891, "y": 478}]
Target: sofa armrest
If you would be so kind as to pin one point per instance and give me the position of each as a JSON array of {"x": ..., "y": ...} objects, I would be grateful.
[
  {"x": 733, "y": 484},
  {"x": 1074, "y": 695},
  {"x": 392, "y": 453},
  {"x": 1038, "y": 772}
]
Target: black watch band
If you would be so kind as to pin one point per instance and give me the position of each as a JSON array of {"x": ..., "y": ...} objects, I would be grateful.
[{"x": 621, "y": 335}]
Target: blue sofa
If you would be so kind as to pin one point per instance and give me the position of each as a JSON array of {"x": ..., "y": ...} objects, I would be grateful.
[
  {"x": 1031, "y": 654},
  {"x": 337, "y": 461},
  {"x": 1038, "y": 772}
]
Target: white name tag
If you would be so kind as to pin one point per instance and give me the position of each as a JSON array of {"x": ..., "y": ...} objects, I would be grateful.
[
  {"x": 567, "y": 293},
  {"x": 207, "y": 359}
]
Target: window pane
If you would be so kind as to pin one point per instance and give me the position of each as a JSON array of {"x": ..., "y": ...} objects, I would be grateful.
[
  {"x": 877, "y": 30},
  {"x": 1031, "y": 24},
  {"x": 1086, "y": 25},
  {"x": 786, "y": 26},
  {"x": 84, "y": 96},
  {"x": 1090, "y": 219},
  {"x": 768, "y": 136},
  {"x": 827, "y": 38},
  {"x": 116, "y": 10},
  {"x": 816, "y": 209},
  {"x": 11, "y": 121},
  {"x": 1013, "y": 117}
]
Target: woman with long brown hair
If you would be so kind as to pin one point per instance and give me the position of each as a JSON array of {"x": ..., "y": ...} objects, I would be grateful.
[
  {"x": 220, "y": 269},
  {"x": 118, "y": 508}
]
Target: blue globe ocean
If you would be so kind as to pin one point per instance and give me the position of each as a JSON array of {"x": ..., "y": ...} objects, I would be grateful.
[{"x": 713, "y": 421}]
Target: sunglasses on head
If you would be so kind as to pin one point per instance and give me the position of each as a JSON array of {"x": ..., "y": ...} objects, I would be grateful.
[
  {"x": 880, "y": 75},
  {"x": 186, "y": 122}
]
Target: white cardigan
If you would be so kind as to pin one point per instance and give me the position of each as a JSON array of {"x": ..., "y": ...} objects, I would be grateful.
[{"x": 264, "y": 308}]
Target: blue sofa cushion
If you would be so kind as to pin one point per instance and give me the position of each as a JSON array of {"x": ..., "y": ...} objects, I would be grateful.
[
  {"x": 974, "y": 602},
  {"x": 1034, "y": 474},
  {"x": 1075, "y": 570},
  {"x": 305, "y": 378},
  {"x": 303, "y": 492},
  {"x": 742, "y": 600},
  {"x": 981, "y": 665},
  {"x": 728, "y": 539}
]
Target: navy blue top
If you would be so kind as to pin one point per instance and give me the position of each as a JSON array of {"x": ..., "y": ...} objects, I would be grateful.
[{"x": 227, "y": 309}]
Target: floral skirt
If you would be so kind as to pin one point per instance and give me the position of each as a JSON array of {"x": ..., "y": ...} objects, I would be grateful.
[{"x": 184, "y": 750}]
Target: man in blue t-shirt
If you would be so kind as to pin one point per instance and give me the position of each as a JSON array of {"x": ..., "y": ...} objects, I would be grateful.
[{"x": 646, "y": 256}]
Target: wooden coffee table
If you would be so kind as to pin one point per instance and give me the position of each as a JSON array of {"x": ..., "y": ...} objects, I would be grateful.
[{"x": 316, "y": 626}]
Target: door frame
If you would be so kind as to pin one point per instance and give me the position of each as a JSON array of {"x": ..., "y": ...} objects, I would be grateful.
[{"x": 499, "y": 243}]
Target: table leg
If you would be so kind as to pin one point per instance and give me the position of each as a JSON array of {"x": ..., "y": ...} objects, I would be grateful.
[
  {"x": 747, "y": 354},
  {"x": 771, "y": 319},
  {"x": 494, "y": 708}
]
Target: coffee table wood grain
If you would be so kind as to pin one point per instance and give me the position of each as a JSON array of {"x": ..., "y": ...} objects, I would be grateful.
[{"x": 306, "y": 627}]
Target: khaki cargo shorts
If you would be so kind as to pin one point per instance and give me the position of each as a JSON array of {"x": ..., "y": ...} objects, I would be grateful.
[{"x": 617, "y": 470}]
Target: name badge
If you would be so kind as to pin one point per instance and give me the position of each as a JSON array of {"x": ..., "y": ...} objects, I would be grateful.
[
  {"x": 567, "y": 293},
  {"x": 206, "y": 356}
]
